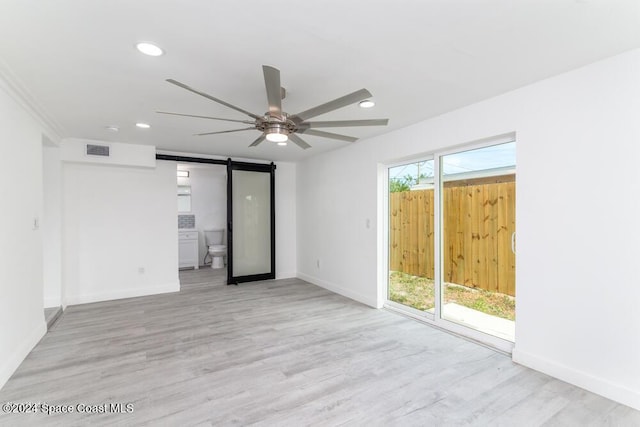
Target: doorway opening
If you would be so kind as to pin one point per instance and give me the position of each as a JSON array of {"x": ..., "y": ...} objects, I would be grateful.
[
  {"x": 247, "y": 253},
  {"x": 202, "y": 223}
]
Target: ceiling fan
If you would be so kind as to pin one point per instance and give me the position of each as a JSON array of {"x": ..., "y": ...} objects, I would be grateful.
[{"x": 278, "y": 126}]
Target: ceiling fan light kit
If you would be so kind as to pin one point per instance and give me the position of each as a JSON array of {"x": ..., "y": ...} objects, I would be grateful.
[
  {"x": 278, "y": 126},
  {"x": 149, "y": 49},
  {"x": 277, "y": 133}
]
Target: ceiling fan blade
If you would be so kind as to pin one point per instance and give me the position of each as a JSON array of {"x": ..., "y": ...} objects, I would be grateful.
[
  {"x": 219, "y": 101},
  {"x": 299, "y": 141},
  {"x": 327, "y": 135},
  {"x": 344, "y": 123},
  {"x": 343, "y": 101},
  {"x": 223, "y": 131},
  {"x": 258, "y": 141},
  {"x": 272, "y": 83},
  {"x": 249, "y": 122}
]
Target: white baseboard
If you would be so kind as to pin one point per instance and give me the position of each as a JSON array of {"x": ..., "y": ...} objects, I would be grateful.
[
  {"x": 286, "y": 275},
  {"x": 584, "y": 380},
  {"x": 121, "y": 294},
  {"x": 21, "y": 351},
  {"x": 364, "y": 299}
]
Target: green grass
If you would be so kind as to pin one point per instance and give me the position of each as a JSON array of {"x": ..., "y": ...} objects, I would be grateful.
[{"x": 419, "y": 293}]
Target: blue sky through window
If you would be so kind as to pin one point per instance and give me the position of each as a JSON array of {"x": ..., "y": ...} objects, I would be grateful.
[{"x": 493, "y": 157}]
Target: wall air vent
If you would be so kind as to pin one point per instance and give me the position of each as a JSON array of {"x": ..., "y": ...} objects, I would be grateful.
[{"x": 97, "y": 150}]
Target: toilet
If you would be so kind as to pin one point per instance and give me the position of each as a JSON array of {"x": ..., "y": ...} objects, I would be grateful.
[{"x": 214, "y": 240}]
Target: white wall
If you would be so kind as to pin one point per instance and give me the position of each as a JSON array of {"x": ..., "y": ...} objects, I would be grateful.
[
  {"x": 286, "y": 244},
  {"x": 578, "y": 179},
  {"x": 51, "y": 226},
  {"x": 336, "y": 195},
  {"x": 120, "y": 234},
  {"x": 208, "y": 199},
  {"x": 21, "y": 314},
  {"x": 120, "y": 154}
]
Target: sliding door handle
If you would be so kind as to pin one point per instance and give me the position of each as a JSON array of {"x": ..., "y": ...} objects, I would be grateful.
[{"x": 513, "y": 242}]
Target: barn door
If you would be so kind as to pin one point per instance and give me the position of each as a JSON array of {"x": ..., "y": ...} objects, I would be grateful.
[{"x": 251, "y": 222}]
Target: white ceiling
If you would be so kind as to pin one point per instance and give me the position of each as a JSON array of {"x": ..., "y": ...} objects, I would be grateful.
[{"x": 419, "y": 58}]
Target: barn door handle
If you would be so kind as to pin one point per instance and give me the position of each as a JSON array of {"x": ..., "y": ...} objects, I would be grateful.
[{"x": 513, "y": 242}]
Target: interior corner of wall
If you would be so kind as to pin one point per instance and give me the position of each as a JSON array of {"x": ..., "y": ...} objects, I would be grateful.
[
  {"x": 286, "y": 275},
  {"x": 51, "y": 141},
  {"x": 340, "y": 290},
  {"x": 52, "y": 302}
]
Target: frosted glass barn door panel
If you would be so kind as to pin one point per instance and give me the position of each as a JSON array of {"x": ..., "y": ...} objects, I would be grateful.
[{"x": 252, "y": 225}]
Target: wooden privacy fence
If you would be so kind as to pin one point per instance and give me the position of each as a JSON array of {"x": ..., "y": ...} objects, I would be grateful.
[{"x": 478, "y": 224}]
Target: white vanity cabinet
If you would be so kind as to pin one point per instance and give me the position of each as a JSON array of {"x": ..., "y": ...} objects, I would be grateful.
[{"x": 188, "y": 248}]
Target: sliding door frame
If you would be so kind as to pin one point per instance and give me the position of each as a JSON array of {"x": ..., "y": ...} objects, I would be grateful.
[
  {"x": 436, "y": 318},
  {"x": 396, "y": 306}
]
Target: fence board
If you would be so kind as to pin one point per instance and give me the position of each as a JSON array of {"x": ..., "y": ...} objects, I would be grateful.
[
  {"x": 492, "y": 241},
  {"x": 478, "y": 221}
]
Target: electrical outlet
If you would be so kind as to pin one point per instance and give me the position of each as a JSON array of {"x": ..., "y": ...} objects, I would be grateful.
[{"x": 140, "y": 270}]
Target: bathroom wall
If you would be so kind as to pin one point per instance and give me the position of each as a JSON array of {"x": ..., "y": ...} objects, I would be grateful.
[
  {"x": 208, "y": 199},
  {"x": 186, "y": 220}
]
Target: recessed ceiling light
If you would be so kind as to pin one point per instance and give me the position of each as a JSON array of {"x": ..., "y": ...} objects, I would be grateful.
[
  {"x": 367, "y": 103},
  {"x": 143, "y": 125},
  {"x": 112, "y": 128},
  {"x": 149, "y": 49}
]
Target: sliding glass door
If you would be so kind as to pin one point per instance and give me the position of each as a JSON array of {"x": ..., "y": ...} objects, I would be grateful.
[
  {"x": 251, "y": 222},
  {"x": 451, "y": 241},
  {"x": 411, "y": 236},
  {"x": 478, "y": 236}
]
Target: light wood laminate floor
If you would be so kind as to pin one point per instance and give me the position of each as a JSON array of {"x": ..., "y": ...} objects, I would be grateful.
[
  {"x": 204, "y": 276},
  {"x": 282, "y": 353}
]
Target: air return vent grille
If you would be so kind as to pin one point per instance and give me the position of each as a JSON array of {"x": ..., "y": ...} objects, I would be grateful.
[{"x": 97, "y": 150}]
